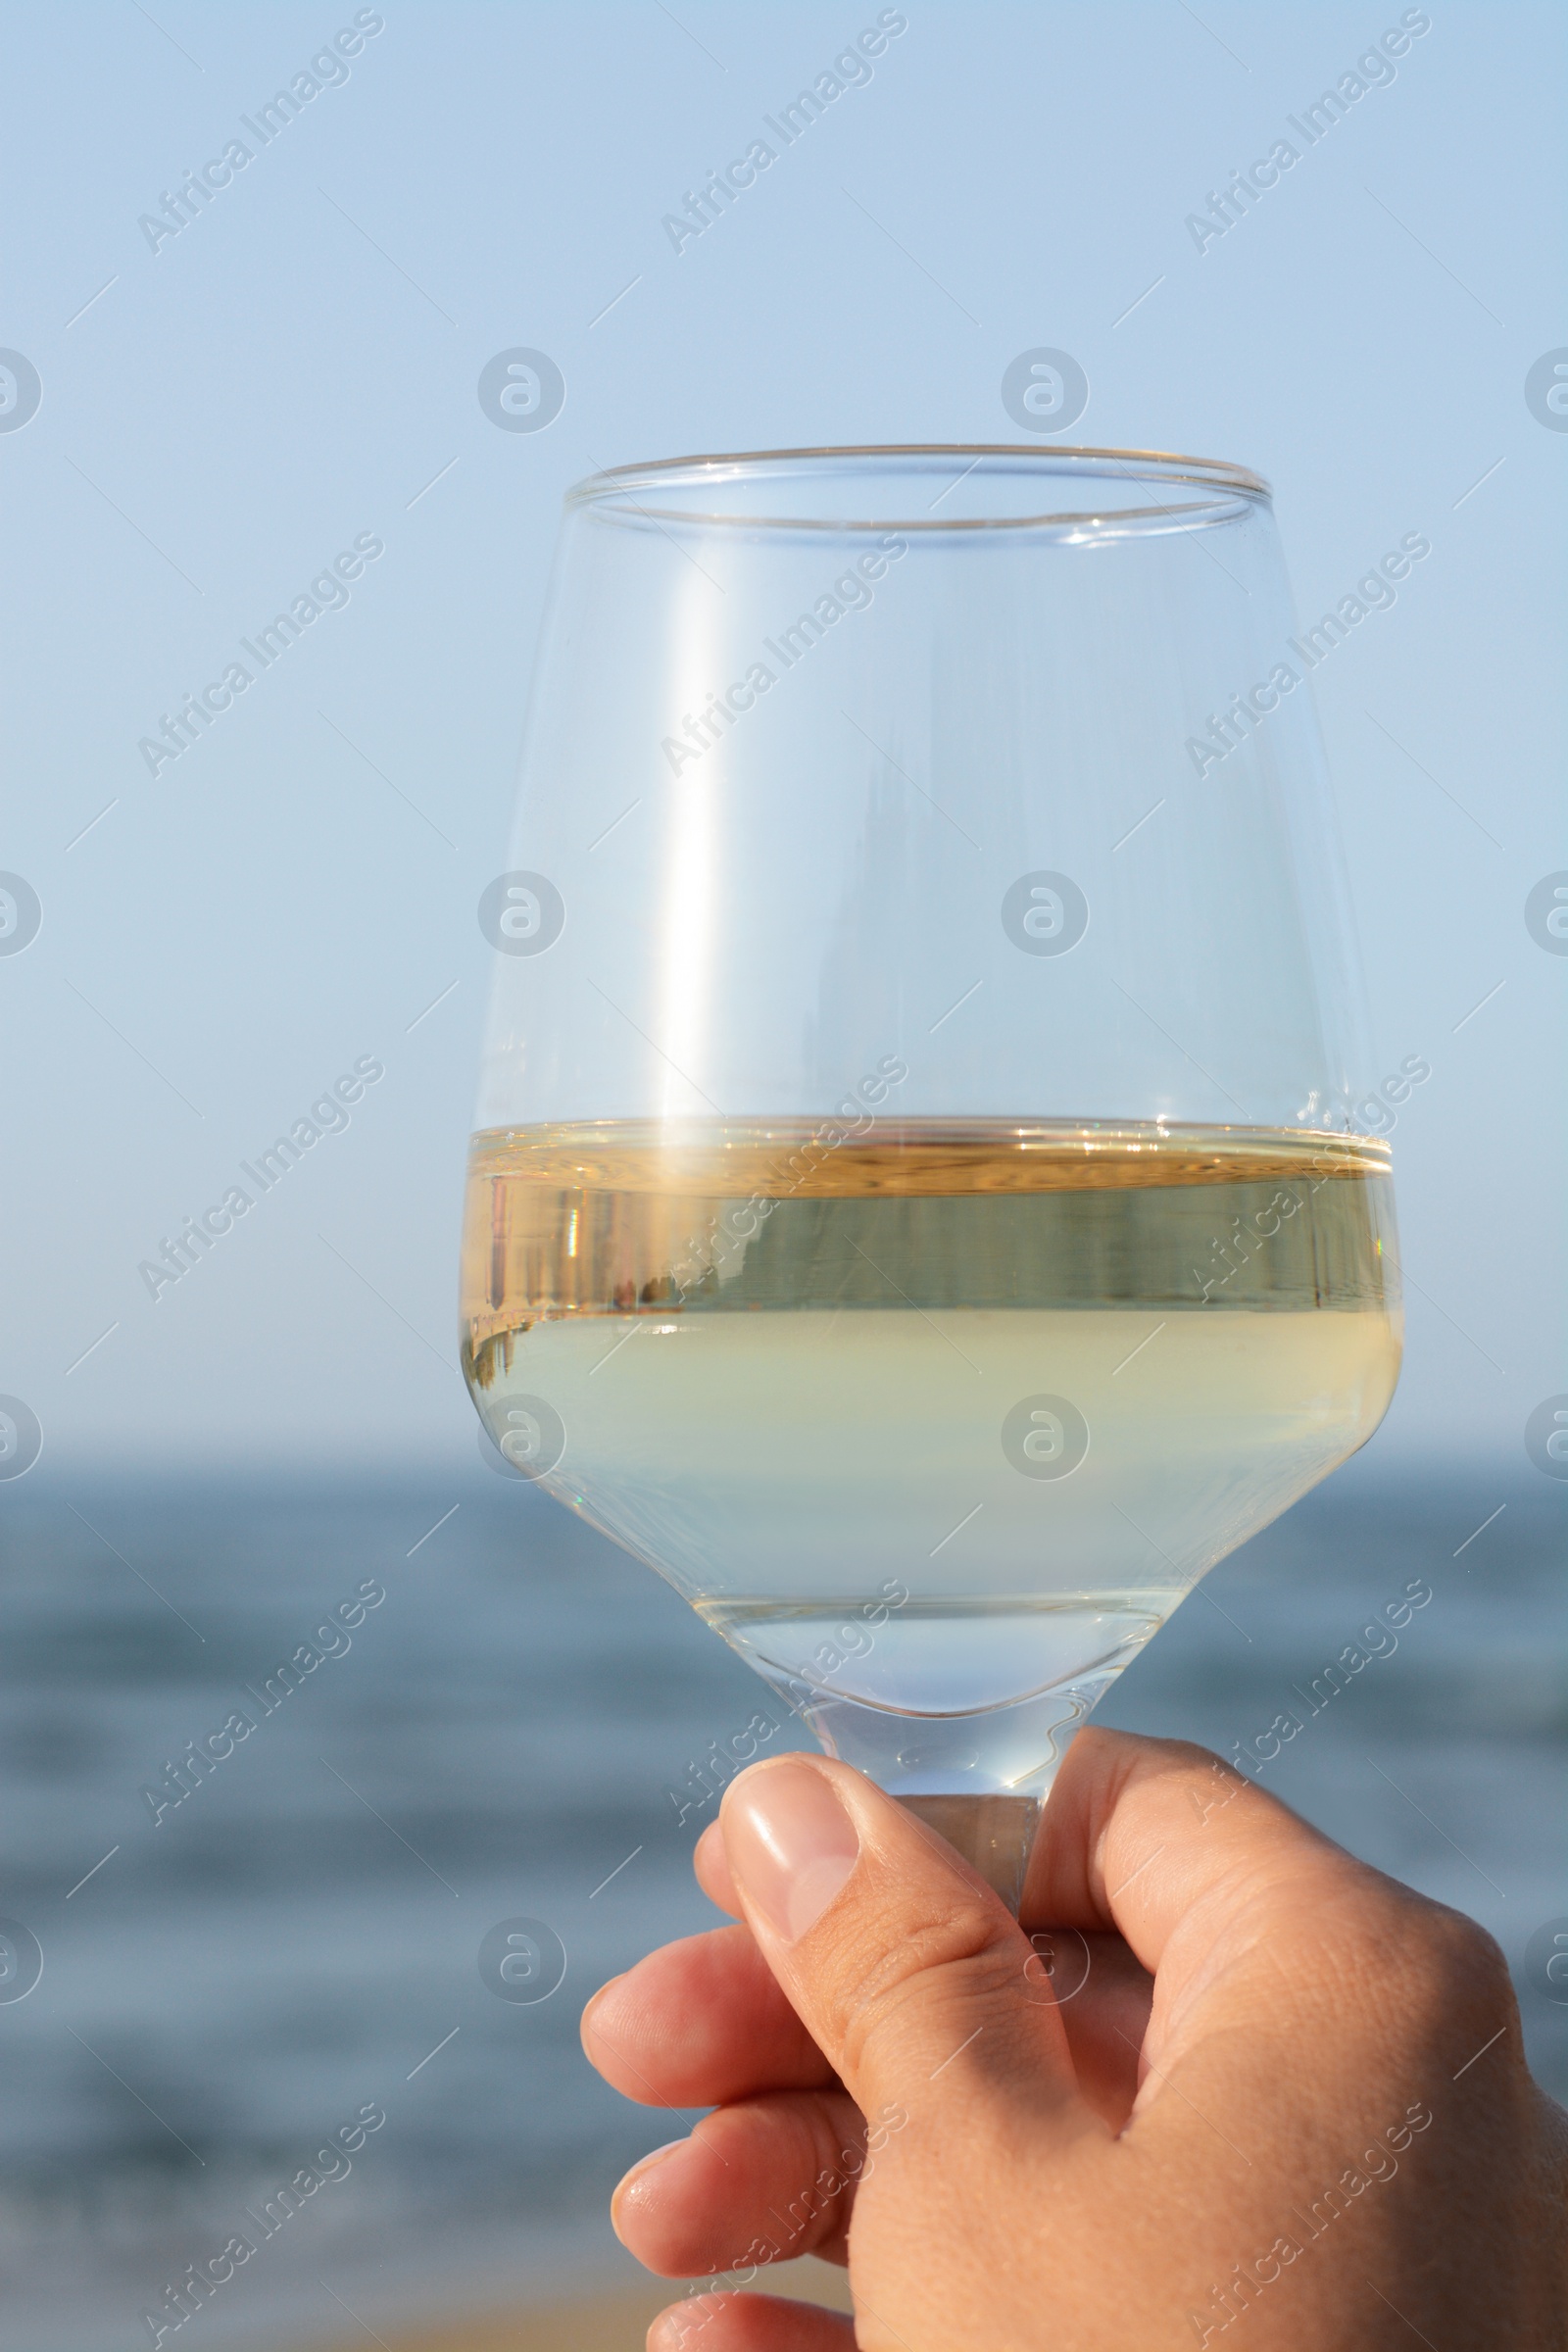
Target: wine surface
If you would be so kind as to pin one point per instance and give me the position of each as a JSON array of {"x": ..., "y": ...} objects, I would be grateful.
[{"x": 942, "y": 1421}]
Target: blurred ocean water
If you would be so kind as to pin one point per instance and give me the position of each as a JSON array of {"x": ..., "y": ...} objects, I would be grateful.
[{"x": 512, "y": 1734}]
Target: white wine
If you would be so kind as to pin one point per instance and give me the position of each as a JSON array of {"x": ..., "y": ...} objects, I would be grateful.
[{"x": 935, "y": 1425}]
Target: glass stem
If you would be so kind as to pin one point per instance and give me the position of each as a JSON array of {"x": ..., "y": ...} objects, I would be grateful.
[{"x": 993, "y": 1834}]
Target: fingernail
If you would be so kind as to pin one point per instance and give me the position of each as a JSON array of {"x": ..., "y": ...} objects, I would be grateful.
[
  {"x": 634, "y": 2182},
  {"x": 644, "y": 2166},
  {"x": 791, "y": 1845},
  {"x": 673, "y": 2330}
]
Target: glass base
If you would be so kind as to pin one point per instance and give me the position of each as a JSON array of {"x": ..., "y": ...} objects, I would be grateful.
[
  {"x": 979, "y": 1780},
  {"x": 994, "y": 1835}
]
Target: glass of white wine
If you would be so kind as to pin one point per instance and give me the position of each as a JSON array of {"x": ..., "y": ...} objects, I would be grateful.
[{"x": 916, "y": 1203}]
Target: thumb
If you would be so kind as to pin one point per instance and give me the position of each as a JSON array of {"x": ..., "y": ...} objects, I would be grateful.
[{"x": 918, "y": 1987}]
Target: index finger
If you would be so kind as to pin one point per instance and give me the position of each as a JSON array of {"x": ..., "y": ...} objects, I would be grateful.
[{"x": 1147, "y": 1836}]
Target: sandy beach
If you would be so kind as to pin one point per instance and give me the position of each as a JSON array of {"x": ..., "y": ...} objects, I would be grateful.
[{"x": 611, "y": 2323}]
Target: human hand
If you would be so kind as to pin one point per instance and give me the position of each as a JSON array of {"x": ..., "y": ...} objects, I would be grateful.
[{"x": 1279, "y": 2094}]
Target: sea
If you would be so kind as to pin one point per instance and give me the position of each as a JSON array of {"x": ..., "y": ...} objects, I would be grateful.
[{"x": 513, "y": 1742}]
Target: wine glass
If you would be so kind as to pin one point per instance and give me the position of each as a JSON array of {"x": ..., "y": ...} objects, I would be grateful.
[{"x": 917, "y": 1201}]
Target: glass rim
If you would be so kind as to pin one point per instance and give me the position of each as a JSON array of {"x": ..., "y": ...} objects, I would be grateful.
[{"x": 614, "y": 487}]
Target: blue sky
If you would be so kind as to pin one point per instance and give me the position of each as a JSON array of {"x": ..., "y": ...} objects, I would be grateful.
[{"x": 295, "y": 374}]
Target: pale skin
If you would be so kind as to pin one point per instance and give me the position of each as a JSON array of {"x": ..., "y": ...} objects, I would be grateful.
[{"x": 1281, "y": 2103}]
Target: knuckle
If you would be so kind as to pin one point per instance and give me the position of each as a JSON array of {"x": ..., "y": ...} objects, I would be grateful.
[
  {"x": 1469, "y": 1959},
  {"x": 954, "y": 1962},
  {"x": 1429, "y": 1971},
  {"x": 815, "y": 2176}
]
